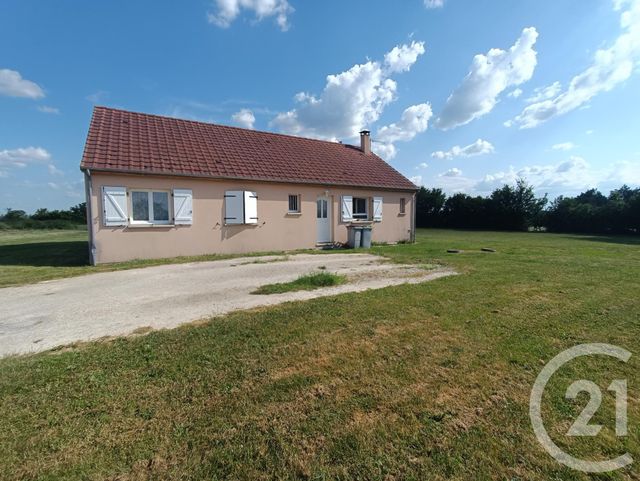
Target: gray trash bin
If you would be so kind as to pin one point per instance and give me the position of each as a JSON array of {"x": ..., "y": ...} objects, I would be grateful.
[
  {"x": 366, "y": 237},
  {"x": 354, "y": 236},
  {"x": 357, "y": 237}
]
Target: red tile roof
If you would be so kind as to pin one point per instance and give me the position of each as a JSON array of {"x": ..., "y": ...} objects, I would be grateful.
[{"x": 122, "y": 141}]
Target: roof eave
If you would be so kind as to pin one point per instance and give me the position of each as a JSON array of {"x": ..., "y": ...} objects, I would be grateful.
[{"x": 253, "y": 179}]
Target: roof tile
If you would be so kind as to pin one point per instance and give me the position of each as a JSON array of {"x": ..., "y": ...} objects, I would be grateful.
[{"x": 123, "y": 141}]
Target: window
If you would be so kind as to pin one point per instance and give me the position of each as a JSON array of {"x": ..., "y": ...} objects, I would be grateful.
[
  {"x": 403, "y": 205},
  {"x": 294, "y": 204},
  {"x": 322, "y": 209},
  {"x": 149, "y": 207},
  {"x": 360, "y": 208},
  {"x": 240, "y": 207}
]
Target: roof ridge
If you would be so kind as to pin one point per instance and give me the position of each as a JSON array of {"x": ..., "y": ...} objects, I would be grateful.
[
  {"x": 201, "y": 122},
  {"x": 162, "y": 144}
]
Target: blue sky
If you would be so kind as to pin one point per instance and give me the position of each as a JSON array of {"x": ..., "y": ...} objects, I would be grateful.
[{"x": 463, "y": 95}]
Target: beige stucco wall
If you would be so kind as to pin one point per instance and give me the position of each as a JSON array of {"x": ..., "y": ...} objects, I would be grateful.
[{"x": 276, "y": 230}]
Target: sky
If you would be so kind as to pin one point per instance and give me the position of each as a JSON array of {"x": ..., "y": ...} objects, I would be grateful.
[{"x": 461, "y": 95}]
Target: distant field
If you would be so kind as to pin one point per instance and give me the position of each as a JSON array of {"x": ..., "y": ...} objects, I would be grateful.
[{"x": 415, "y": 382}]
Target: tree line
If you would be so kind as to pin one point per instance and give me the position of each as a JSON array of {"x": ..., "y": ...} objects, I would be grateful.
[
  {"x": 507, "y": 208},
  {"x": 45, "y": 219},
  {"x": 518, "y": 208}
]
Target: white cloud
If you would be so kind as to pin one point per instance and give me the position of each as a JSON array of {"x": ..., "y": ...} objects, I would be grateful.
[
  {"x": 48, "y": 110},
  {"x": 244, "y": 118},
  {"x": 569, "y": 177},
  {"x": 53, "y": 170},
  {"x": 488, "y": 77},
  {"x": 402, "y": 57},
  {"x": 515, "y": 93},
  {"x": 386, "y": 151},
  {"x": 72, "y": 189},
  {"x": 416, "y": 179},
  {"x": 434, "y": 3},
  {"x": 454, "y": 172},
  {"x": 573, "y": 175},
  {"x": 589, "y": 132},
  {"x": 544, "y": 93},
  {"x": 13, "y": 85},
  {"x": 350, "y": 101},
  {"x": 574, "y": 162},
  {"x": 609, "y": 68},
  {"x": 564, "y": 146},
  {"x": 97, "y": 97},
  {"x": 228, "y": 10},
  {"x": 414, "y": 120},
  {"x": 479, "y": 147},
  {"x": 422, "y": 165},
  {"x": 23, "y": 156},
  {"x": 625, "y": 172}
]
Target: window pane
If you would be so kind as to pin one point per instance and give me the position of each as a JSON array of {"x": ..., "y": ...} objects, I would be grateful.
[
  {"x": 402, "y": 205},
  {"x": 293, "y": 203},
  {"x": 319, "y": 209},
  {"x": 324, "y": 208},
  {"x": 161, "y": 206},
  {"x": 140, "y": 204},
  {"x": 359, "y": 207}
]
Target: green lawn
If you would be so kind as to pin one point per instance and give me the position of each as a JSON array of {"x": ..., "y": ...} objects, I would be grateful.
[
  {"x": 308, "y": 282},
  {"x": 28, "y": 256},
  {"x": 414, "y": 382}
]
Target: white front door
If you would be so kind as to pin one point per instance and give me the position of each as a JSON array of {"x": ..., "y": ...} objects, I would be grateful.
[{"x": 323, "y": 220}]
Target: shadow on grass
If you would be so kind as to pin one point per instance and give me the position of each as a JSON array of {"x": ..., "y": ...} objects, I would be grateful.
[
  {"x": 54, "y": 254},
  {"x": 610, "y": 239}
]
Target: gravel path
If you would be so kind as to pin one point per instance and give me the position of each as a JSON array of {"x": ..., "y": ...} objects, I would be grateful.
[{"x": 54, "y": 313}]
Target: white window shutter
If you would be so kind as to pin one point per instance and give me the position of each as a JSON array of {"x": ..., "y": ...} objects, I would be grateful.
[
  {"x": 250, "y": 207},
  {"x": 377, "y": 209},
  {"x": 233, "y": 207},
  {"x": 182, "y": 206},
  {"x": 347, "y": 208},
  {"x": 114, "y": 206}
]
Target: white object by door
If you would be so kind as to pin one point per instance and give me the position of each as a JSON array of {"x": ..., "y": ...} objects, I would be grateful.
[{"x": 323, "y": 220}]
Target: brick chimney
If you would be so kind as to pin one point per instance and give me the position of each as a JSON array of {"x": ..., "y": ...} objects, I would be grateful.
[{"x": 365, "y": 142}]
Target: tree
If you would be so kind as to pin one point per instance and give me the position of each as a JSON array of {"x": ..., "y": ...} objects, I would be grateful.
[
  {"x": 429, "y": 205},
  {"x": 463, "y": 211},
  {"x": 515, "y": 208},
  {"x": 592, "y": 212},
  {"x": 79, "y": 212},
  {"x": 14, "y": 215}
]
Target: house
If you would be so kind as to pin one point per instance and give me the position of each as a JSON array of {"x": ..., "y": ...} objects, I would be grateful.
[{"x": 164, "y": 187}]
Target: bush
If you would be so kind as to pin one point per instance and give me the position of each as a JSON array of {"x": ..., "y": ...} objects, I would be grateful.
[
  {"x": 592, "y": 212},
  {"x": 518, "y": 208},
  {"x": 74, "y": 218}
]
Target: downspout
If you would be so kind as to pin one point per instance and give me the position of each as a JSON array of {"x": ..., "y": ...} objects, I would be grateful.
[
  {"x": 413, "y": 218},
  {"x": 88, "y": 191}
]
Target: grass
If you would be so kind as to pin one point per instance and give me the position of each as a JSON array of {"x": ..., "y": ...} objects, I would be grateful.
[
  {"x": 307, "y": 282},
  {"x": 416, "y": 382},
  {"x": 28, "y": 256},
  {"x": 266, "y": 261}
]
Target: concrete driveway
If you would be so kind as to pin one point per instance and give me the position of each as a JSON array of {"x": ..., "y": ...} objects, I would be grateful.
[{"x": 54, "y": 313}]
